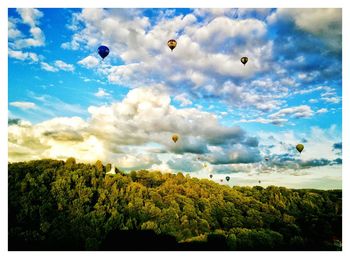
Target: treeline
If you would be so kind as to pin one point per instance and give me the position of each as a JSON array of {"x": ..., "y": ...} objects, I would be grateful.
[{"x": 57, "y": 205}]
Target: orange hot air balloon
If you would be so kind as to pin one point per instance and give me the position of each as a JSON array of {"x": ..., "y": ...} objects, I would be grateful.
[
  {"x": 175, "y": 138},
  {"x": 172, "y": 44}
]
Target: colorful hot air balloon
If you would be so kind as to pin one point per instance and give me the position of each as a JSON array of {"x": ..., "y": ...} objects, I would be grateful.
[
  {"x": 103, "y": 51},
  {"x": 299, "y": 147},
  {"x": 244, "y": 60},
  {"x": 175, "y": 138},
  {"x": 172, "y": 44},
  {"x": 227, "y": 178}
]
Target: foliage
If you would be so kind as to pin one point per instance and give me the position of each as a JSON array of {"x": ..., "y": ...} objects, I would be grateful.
[{"x": 57, "y": 205}]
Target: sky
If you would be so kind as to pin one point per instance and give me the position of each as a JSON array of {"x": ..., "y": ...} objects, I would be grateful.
[{"x": 64, "y": 101}]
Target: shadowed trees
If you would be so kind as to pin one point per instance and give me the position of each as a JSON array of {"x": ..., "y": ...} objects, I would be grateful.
[{"x": 57, "y": 205}]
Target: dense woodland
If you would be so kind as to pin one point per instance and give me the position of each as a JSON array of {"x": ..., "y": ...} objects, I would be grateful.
[{"x": 57, "y": 205}]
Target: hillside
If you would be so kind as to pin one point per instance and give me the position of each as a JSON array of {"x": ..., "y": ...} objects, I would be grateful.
[{"x": 57, "y": 205}]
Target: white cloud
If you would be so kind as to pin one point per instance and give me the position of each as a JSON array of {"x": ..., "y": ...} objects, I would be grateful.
[
  {"x": 183, "y": 99},
  {"x": 322, "y": 110},
  {"x": 18, "y": 54},
  {"x": 57, "y": 66},
  {"x": 335, "y": 99},
  {"x": 23, "y": 105},
  {"x": 89, "y": 62},
  {"x": 48, "y": 67},
  {"x": 325, "y": 23},
  {"x": 13, "y": 32},
  {"x": 64, "y": 66},
  {"x": 143, "y": 119},
  {"x": 302, "y": 111},
  {"x": 275, "y": 121},
  {"x": 29, "y": 16},
  {"x": 101, "y": 93}
]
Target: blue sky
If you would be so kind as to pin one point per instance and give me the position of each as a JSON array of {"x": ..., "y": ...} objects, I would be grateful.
[{"x": 125, "y": 109}]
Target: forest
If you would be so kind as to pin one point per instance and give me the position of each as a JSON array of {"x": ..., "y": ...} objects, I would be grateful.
[{"x": 65, "y": 205}]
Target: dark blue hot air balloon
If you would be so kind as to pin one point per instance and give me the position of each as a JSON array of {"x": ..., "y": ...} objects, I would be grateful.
[{"x": 103, "y": 51}]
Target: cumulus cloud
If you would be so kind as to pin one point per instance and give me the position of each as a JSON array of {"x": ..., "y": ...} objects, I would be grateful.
[
  {"x": 183, "y": 99},
  {"x": 31, "y": 17},
  {"x": 302, "y": 111},
  {"x": 48, "y": 67},
  {"x": 322, "y": 110},
  {"x": 57, "y": 66},
  {"x": 144, "y": 117},
  {"x": 101, "y": 93},
  {"x": 18, "y": 54},
  {"x": 334, "y": 99},
  {"x": 140, "y": 45},
  {"x": 325, "y": 23},
  {"x": 89, "y": 62},
  {"x": 64, "y": 66}
]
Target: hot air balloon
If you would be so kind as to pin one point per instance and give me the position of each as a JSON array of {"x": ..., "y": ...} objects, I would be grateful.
[
  {"x": 205, "y": 165},
  {"x": 175, "y": 138},
  {"x": 259, "y": 181},
  {"x": 221, "y": 180},
  {"x": 172, "y": 44},
  {"x": 227, "y": 178},
  {"x": 266, "y": 159},
  {"x": 103, "y": 51},
  {"x": 244, "y": 60},
  {"x": 299, "y": 147},
  {"x": 211, "y": 176}
]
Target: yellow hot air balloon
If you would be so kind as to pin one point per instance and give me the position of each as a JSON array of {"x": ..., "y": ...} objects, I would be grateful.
[
  {"x": 300, "y": 147},
  {"x": 244, "y": 60},
  {"x": 172, "y": 44},
  {"x": 175, "y": 138}
]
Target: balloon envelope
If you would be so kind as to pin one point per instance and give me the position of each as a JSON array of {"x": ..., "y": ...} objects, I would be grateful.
[
  {"x": 103, "y": 51},
  {"x": 211, "y": 176},
  {"x": 175, "y": 138},
  {"x": 227, "y": 178},
  {"x": 244, "y": 60},
  {"x": 172, "y": 44},
  {"x": 300, "y": 147}
]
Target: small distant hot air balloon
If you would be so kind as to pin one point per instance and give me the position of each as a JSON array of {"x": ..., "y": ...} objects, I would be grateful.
[
  {"x": 244, "y": 60},
  {"x": 227, "y": 178},
  {"x": 175, "y": 138},
  {"x": 259, "y": 181},
  {"x": 103, "y": 51},
  {"x": 205, "y": 165},
  {"x": 172, "y": 44},
  {"x": 299, "y": 147},
  {"x": 266, "y": 159},
  {"x": 221, "y": 180},
  {"x": 211, "y": 176}
]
